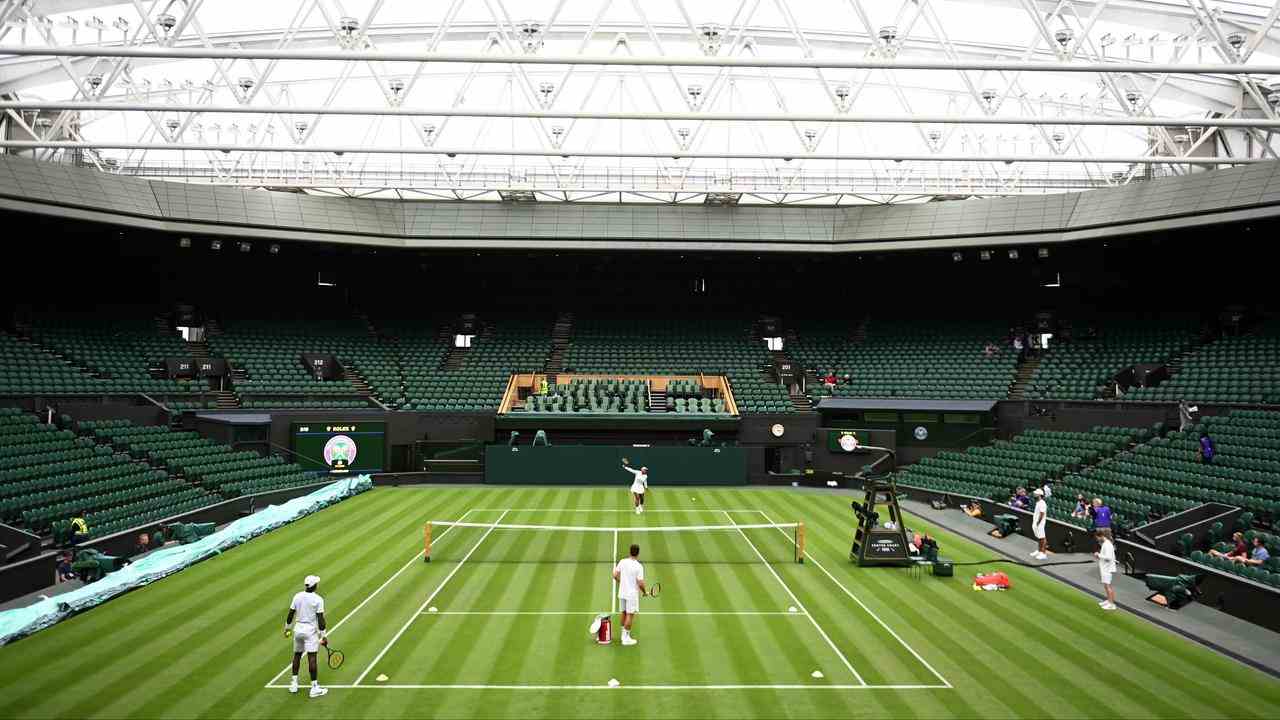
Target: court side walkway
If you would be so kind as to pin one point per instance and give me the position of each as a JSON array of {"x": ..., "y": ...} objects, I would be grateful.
[{"x": 1248, "y": 643}]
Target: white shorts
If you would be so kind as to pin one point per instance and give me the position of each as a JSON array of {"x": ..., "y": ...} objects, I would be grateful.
[
  {"x": 1106, "y": 578},
  {"x": 629, "y": 605},
  {"x": 1038, "y": 531},
  {"x": 637, "y": 488},
  {"x": 306, "y": 638}
]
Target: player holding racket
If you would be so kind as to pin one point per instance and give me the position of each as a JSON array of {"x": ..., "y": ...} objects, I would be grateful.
[
  {"x": 638, "y": 485},
  {"x": 629, "y": 574},
  {"x": 308, "y": 632}
]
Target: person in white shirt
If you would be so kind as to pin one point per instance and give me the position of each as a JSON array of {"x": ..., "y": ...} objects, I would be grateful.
[
  {"x": 306, "y": 623},
  {"x": 1039, "y": 519},
  {"x": 629, "y": 574},
  {"x": 639, "y": 484},
  {"x": 1106, "y": 566}
]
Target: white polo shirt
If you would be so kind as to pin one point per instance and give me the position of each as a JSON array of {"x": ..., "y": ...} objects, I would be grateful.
[
  {"x": 306, "y": 607},
  {"x": 630, "y": 572}
]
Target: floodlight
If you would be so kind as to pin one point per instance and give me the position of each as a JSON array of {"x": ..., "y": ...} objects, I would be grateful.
[
  {"x": 274, "y": 248},
  {"x": 1013, "y": 253},
  {"x": 984, "y": 255},
  {"x": 245, "y": 247},
  {"x": 184, "y": 242},
  {"x": 1043, "y": 252},
  {"x": 957, "y": 257},
  {"x": 215, "y": 244}
]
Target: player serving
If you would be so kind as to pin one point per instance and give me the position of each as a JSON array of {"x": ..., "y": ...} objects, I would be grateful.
[
  {"x": 639, "y": 485},
  {"x": 308, "y": 632},
  {"x": 629, "y": 574}
]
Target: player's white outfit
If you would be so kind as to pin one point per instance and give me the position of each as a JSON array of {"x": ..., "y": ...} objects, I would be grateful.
[
  {"x": 1106, "y": 561},
  {"x": 306, "y": 625},
  {"x": 639, "y": 484},
  {"x": 630, "y": 572},
  {"x": 1039, "y": 518}
]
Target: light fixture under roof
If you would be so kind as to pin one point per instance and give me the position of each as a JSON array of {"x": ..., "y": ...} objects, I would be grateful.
[
  {"x": 957, "y": 256},
  {"x": 721, "y": 199},
  {"x": 518, "y": 196},
  {"x": 1043, "y": 252},
  {"x": 1013, "y": 253},
  {"x": 215, "y": 244}
]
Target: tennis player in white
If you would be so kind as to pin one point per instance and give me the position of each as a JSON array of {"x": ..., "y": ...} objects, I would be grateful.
[
  {"x": 629, "y": 574},
  {"x": 638, "y": 486},
  {"x": 308, "y": 631}
]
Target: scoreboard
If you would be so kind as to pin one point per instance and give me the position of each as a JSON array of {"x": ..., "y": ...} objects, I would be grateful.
[{"x": 340, "y": 447}]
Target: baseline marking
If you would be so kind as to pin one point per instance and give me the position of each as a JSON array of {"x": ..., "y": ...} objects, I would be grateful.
[
  {"x": 426, "y": 602},
  {"x": 373, "y": 594},
  {"x": 609, "y": 510},
  {"x": 796, "y": 600},
  {"x": 595, "y": 612},
  {"x": 626, "y": 687},
  {"x": 863, "y": 605}
]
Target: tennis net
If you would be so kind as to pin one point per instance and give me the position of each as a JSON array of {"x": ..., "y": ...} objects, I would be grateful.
[{"x": 447, "y": 541}]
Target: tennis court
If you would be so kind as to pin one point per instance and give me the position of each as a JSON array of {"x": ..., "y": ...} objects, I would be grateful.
[
  {"x": 207, "y": 642},
  {"x": 537, "y": 577}
]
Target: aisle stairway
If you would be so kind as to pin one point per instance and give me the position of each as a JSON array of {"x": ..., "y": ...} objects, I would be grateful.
[{"x": 1026, "y": 369}]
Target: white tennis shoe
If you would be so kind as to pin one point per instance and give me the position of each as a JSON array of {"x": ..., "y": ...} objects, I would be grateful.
[
  {"x": 629, "y": 641},
  {"x": 317, "y": 691},
  {"x": 293, "y": 687},
  {"x": 1109, "y": 606}
]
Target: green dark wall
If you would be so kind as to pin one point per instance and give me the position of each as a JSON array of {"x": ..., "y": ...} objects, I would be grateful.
[{"x": 602, "y": 465}]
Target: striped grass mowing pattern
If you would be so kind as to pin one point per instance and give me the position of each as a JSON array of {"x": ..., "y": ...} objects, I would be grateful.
[{"x": 205, "y": 642}]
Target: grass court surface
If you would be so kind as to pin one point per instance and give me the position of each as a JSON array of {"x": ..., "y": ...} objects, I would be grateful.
[{"x": 737, "y": 632}]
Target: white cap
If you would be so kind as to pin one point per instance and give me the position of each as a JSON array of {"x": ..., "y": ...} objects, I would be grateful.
[
  {"x": 1038, "y": 491},
  {"x": 311, "y": 581}
]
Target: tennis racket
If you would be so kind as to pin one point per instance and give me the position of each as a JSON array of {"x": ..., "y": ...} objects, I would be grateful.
[
  {"x": 652, "y": 589},
  {"x": 335, "y": 657}
]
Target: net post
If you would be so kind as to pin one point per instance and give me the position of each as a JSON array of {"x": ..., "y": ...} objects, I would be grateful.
[
  {"x": 799, "y": 542},
  {"x": 426, "y": 542}
]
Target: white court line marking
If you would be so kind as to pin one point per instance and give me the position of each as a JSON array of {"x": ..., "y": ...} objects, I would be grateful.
[
  {"x": 364, "y": 602},
  {"x": 595, "y": 612},
  {"x": 613, "y": 594},
  {"x": 607, "y": 510},
  {"x": 864, "y": 607},
  {"x": 628, "y": 687},
  {"x": 427, "y": 602},
  {"x": 796, "y": 600}
]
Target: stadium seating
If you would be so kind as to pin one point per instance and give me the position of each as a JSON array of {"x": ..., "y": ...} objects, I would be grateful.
[
  {"x": 1080, "y": 369},
  {"x": 102, "y": 367},
  {"x": 50, "y": 474},
  {"x": 1268, "y": 573},
  {"x": 1164, "y": 475},
  {"x": 593, "y": 396},
  {"x": 210, "y": 464},
  {"x": 505, "y": 345},
  {"x": 266, "y": 355},
  {"x": 1027, "y": 460},
  {"x": 934, "y": 360},
  {"x": 1242, "y": 369},
  {"x": 679, "y": 346}
]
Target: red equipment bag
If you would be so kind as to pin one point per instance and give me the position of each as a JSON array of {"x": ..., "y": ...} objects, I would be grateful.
[
  {"x": 604, "y": 635},
  {"x": 995, "y": 580}
]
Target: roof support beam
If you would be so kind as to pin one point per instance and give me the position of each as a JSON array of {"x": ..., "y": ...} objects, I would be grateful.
[
  {"x": 1118, "y": 121},
  {"x": 528, "y": 152},
  {"x": 879, "y": 63}
]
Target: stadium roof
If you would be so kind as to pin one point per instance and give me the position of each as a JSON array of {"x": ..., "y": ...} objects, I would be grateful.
[{"x": 718, "y": 102}]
